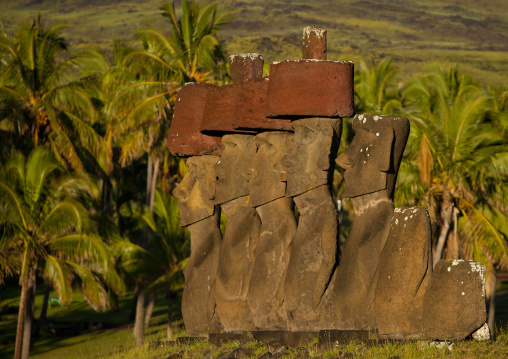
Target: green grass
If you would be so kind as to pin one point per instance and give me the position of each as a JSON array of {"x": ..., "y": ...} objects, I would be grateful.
[
  {"x": 415, "y": 33},
  {"x": 115, "y": 339},
  {"x": 65, "y": 340}
]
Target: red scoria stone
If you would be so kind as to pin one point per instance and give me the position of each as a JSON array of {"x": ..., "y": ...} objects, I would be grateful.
[
  {"x": 184, "y": 138},
  {"x": 250, "y": 108},
  {"x": 311, "y": 88}
]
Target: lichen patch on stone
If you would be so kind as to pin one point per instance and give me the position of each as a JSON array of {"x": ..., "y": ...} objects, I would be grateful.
[{"x": 252, "y": 55}]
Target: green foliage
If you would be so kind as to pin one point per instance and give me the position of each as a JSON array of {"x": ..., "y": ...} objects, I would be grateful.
[
  {"x": 44, "y": 98},
  {"x": 51, "y": 230},
  {"x": 192, "y": 47}
]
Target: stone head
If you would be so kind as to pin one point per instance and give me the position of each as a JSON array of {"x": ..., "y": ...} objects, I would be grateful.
[
  {"x": 265, "y": 173},
  {"x": 372, "y": 159},
  {"x": 309, "y": 161},
  {"x": 197, "y": 190},
  {"x": 238, "y": 151}
]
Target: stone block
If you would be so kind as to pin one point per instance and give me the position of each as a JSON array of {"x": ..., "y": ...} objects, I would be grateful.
[
  {"x": 218, "y": 339},
  {"x": 263, "y": 336},
  {"x": 243, "y": 67},
  {"x": 405, "y": 268},
  {"x": 184, "y": 138},
  {"x": 311, "y": 88},
  {"x": 219, "y": 113},
  {"x": 345, "y": 337},
  {"x": 454, "y": 302},
  {"x": 251, "y": 105},
  {"x": 298, "y": 339},
  {"x": 314, "y": 43}
]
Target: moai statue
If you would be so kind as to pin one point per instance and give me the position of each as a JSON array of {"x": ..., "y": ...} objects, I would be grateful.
[
  {"x": 241, "y": 236},
  {"x": 454, "y": 302},
  {"x": 371, "y": 163},
  {"x": 405, "y": 269},
  {"x": 313, "y": 252},
  {"x": 199, "y": 214},
  {"x": 315, "y": 93},
  {"x": 267, "y": 188},
  {"x": 197, "y": 210}
]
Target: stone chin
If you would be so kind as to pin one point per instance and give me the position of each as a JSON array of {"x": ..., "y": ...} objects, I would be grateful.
[
  {"x": 259, "y": 199},
  {"x": 302, "y": 184},
  {"x": 376, "y": 183},
  {"x": 189, "y": 215}
]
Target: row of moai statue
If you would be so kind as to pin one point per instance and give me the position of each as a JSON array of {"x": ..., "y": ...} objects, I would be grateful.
[{"x": 260, "y": 146}]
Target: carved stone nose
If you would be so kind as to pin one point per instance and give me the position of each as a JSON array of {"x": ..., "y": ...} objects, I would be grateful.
[
  {"x": 343, "y": 161},
  {"x": 250, "y": 174},
  {"x": 181, "y": 193}
]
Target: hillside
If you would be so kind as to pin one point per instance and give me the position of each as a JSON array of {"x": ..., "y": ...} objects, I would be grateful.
[{"x": 416, "y": 34}]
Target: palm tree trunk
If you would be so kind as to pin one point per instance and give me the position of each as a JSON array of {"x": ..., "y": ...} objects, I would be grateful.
[
  {"x": 452, "y": 242},
  {"x": 446, "y": 216},
  {"x": 156, "y": 163},
  {"x": 134, "y": 302},
  {"x": 138, "y": 323},
  {"x": 170, "y": 314},
  {"x": 44, "y": 309},
  {"x": 106, "y": 195},
  {"x": 492, "y": 307},
  {"x": 21, "y": 319},
  {"x": 113, "y": 301},
  {"x": 149, "y": 308},
  {"x": 29, "y": 316}
]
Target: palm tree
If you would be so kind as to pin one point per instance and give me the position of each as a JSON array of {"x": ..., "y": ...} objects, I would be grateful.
[
  {"x": 44, "y": 97},
  {"x": 169, "y": 249},
  {"x": 459, "y": 162},
  {"x": 374, "y": 89},
  {"x": 189, "y": 53},
  {"x": 49, "y": 227},
  {"x": 192, "y": 49}
]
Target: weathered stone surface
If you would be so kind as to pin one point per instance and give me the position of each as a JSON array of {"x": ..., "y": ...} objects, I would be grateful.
[
  {"x": 250, "y": 108},
  {"x": 218, "y": 339},
  {"x": 267, "y": 176},
  {"x": 238, "y": 151},
  {"x": 271, "y": 257},
  {"x": 454, "y": 302},
  {"x": 313, "y": 258},
  {"x": 263, "y": 336},
  {"x": 299, "y": 339},
  {"x": 235, "y": 265},
  {"x": 310, "y": 159},
  {"x": 377, "y": 150},
  {"x": 353, "y": 288},
  {"x": 198, "y": 298},
  {"x": 201, "y": 217},
  {"x": 404, "y": 272},
  {"x": 196, "y": 191},
  {"x": 265, "y": 173},
  {"x": 313, "y": 252},
  {"x": 314, "y": 43},
  {"x": 219, "y": 113},
  {"x": 243, "y": 67},
  {"x": 310, "y": 88},
  {"x": 184, "y": 137},
  {"x": 483, "y": 333},
  {"x": 345, "y": 337},
  {"x": 352, "y": 300},
  {"x": 241, "y": 236}
]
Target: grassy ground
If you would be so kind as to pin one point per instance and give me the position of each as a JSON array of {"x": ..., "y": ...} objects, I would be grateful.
[
  {"x": 415, "y": 33},
  {"x": 74, "y": 333},
  {"x": 77, "y": 331}
]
